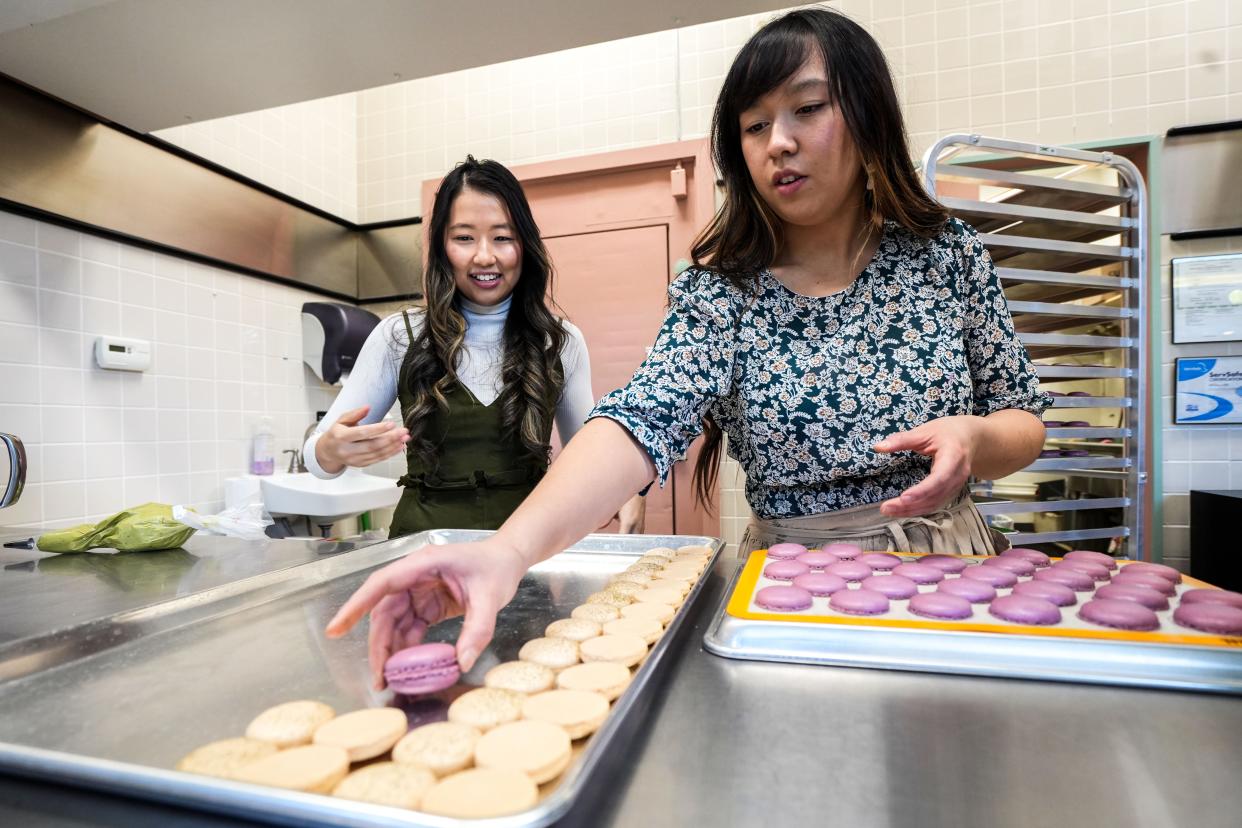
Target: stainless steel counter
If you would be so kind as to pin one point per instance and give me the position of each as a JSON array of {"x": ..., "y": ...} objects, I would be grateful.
[
  {"x": 740, "y": 743},
  {"x": 41, "y": 592}
]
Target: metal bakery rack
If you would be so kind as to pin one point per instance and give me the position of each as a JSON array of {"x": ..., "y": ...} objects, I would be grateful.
[{"x": 1068, "y": 231}]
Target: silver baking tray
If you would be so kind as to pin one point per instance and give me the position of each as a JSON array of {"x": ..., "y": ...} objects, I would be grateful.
[
  {"x": 1185, "y": 666},
  {"x": 121, "y": 699}
]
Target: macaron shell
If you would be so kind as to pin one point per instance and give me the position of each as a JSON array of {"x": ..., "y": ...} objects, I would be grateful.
[
  {"x": 785, "y": 570},
  {"x": 993, "y": 576},
  {"x": 1018, "y": 566},
  {"x": 859, "y": 602},
  {"x": 1149, "y": 598},
  {"x": 786, "y": 551},
  {"x": 480, "y": 793},
  {"x": 976, "y": 592},
  {"x": 539, "y": 749},
  {"x": 289, "y": 724},
  {"x": 1024, "y": 609},
  {"x": 364, "y": 734},
  {"x": 945, "y": 563},
  {"x": 940, "y": 605},
  {"x": 1058, "y": 594},
  {"x": 1212, "y": 596},
  {"x": 1033, "y": 555},
  {"x": 1122, "y": 615},
  {"x": 579, "y": 712},
  {"x": 1218, "y": 619},
  {"x": 783, "y": 598},
  {"x": 920, "y": 573},
  {"x": 310, "y": 768},
  {"x": 387, "y": 783},
  {"x": 893, "y": 587},
  {"x": 853, "y": 571},
  {"x": 843, "y": 551},
  {"x": 820, "y": 583},
  {"x": 1072, "y": 578},
  {"x": 440, "y": 747}
]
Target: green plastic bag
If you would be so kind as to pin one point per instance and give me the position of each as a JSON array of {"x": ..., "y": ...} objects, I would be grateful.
[{"x": 144, "y": 528}]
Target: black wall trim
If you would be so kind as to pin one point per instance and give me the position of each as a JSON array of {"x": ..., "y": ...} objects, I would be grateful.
[
  {"x": 1217, "y": 233},
  {"x": 404, "y": 297},
  {"x": 384, "y": 225},
  {"x": 1200, "y": 129},
  {"x": 51, "y": 218}
]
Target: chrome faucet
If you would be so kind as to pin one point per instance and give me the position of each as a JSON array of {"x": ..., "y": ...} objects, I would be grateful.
[{"x": 17, "y": 470}]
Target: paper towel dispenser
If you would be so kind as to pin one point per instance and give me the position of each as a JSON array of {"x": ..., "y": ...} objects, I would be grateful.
[{"x": 332, "y": 336}]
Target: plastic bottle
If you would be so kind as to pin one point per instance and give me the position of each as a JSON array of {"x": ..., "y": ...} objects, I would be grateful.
[{"x": 262, "y": 452}]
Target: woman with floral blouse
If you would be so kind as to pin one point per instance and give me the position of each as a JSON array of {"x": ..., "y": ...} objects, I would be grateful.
[{"x": 850, "y": 339}]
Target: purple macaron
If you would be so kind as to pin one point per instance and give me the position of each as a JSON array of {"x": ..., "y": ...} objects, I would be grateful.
[
  {"x": 1163, "y": 571},
  {"x": 820, "y": 584},
  {"x": 945, "y": 563},
  {"x": 1146, "y": 580},
  {"x": 783, "y": 598},
  {"x": 993, "y": 576},
  {"x": 1120, "y": 615},
  {"x": 940, "y": 605},
  {"x": 976, "y": 592},
  {"x": 1219, "y": 619},
  {"x": 426, "y": 668},
  {"x": 1023, "y": 609},
  {"x": 920, "y": 573},
  {"x": 880, "y": 561},
  {"x": 1067, "y": 576},
  {"x": 1212, "y": 596},
  {"x": 892, "y": 586},
  {"x": 817, "y": 559},
  {"x": 859, "y": 602},
  {"x": 1033, "y": 555},
  {"x": 849, "y": 570},
  {"x": 1098, "y": 572},
  {"x": 786, "y": 551},
  {"x": 1054, "y": 593},
  {"x": 785, "y": 570},
  {"x": 1094, "y": 557},
  {"x": 1018, "y": 566},
  {"x": 1149, "y": 598},
  {"x": 844, "y": 551}
]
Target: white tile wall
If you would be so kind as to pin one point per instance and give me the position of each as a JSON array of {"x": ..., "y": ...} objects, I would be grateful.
[
  {"x": 227, "y": 349},
  {"x": 306, "y": 150},
  {"x": 1195, "y": 457}
]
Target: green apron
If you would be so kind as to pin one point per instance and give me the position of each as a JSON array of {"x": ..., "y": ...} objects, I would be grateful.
[{"x": 479, "y": 479}]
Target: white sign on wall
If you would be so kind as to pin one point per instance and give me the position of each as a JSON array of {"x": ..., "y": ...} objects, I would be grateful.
[
  {"x": 1209, "y": 390},
  {"x": 1207, "y": 298}
]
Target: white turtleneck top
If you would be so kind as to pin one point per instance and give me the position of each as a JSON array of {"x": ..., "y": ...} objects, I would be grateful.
[{"x": 374, "y": 378}]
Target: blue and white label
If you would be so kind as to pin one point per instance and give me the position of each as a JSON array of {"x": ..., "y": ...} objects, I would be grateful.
[{"x": 1209, "y": 390}]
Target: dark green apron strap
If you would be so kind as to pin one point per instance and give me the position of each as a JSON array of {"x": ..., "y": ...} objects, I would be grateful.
[{"x": 408, "y": 330}]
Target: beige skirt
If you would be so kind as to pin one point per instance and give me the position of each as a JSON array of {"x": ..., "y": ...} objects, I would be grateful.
[{"x": 957, "y": 529}]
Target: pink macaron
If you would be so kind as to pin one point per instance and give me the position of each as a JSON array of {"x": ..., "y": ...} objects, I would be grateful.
[{"x": 426, "y": 668}]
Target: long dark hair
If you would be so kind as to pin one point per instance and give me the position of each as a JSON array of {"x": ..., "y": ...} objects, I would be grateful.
[
  {"x": 745, "y": 235},
  {"x": 532, "y": 374}
]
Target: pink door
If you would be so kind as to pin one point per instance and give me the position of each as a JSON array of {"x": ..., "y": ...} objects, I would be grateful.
[{"x": 613, "y": 285}]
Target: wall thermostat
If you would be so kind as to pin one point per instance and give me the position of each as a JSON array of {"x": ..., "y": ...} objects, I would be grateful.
[{"x": 119, "y": 354}]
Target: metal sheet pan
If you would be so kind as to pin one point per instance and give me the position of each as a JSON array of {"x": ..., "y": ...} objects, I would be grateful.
[
  {"x": 155, "y": 683},
  {"x": 1071, "y": 652}
]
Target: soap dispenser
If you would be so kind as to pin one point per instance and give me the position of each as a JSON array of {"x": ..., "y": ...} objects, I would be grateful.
[{"x": 263, "y": 452}]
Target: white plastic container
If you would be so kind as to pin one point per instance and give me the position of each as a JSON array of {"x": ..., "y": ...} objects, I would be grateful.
[{"x": 263, "y": 451}]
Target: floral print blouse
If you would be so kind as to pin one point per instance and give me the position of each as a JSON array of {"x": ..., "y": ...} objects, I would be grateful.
[{"x": 805, "y": 386}]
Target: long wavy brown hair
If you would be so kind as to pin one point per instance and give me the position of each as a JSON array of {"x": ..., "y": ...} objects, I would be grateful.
[
  {"x": 745, "y": 236},
  {"x": 532, "y": 375}
]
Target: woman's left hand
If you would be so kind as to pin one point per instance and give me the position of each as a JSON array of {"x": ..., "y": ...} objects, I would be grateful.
[{"x": 951, "y": 442}]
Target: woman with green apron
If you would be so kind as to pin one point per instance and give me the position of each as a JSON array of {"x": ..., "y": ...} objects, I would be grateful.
[
  {"x": 480, "y": 374},
  {"x": 848, "y": 336}
]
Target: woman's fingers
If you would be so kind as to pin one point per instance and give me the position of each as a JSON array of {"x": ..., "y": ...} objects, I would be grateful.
[
  {"x": 476, "y": 631},
  {"x": 947, "y": 475},
  {"x": 396, "y": 577}
]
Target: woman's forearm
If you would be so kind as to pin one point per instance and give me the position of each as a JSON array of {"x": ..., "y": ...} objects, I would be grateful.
[
  {"x": 598, "y": 471},
  {"x": 1009, "y": 440}
]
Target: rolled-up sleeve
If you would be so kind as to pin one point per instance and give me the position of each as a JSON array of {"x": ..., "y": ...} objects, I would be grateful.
[
  {"x": 689, "y": 367},
  {"x": 1000, "y": 367}
]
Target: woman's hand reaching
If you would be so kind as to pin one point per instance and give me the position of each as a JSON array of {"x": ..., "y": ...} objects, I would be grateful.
[{"x": 428, "y": 586}]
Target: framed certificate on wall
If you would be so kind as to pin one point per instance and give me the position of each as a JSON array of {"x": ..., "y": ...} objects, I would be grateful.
[
  {"x": 1207, "y": 298},
  {"x": 1209, "y": 390}
]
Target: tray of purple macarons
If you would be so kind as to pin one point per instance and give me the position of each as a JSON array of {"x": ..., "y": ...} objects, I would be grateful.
[{"x": 1087, "y": 617}]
